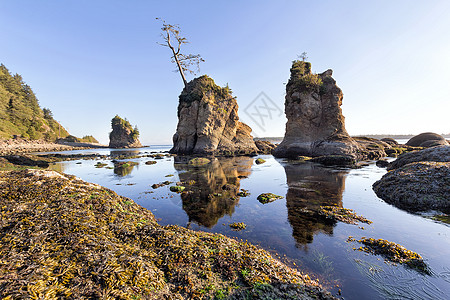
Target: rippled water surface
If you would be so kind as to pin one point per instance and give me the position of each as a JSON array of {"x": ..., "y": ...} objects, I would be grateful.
[{"x": 284, "y": 227}]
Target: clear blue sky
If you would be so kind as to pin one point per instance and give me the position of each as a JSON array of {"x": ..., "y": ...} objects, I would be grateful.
[{"x": 90, "y": 60}]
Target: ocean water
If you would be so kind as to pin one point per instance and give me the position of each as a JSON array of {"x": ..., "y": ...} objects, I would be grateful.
[{"x": 285, "y": 227}]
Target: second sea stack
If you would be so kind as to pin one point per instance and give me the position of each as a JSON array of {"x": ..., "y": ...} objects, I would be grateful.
[
  {"x": 315, "y": 125},
  {"x": 208, "y": 122},
  {"x": 123, "y": 135}
]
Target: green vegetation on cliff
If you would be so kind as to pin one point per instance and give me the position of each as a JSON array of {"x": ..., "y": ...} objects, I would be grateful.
[
  {"x": 84, "y": 139},
  {"x": 302, "y": 79},
  {"x": 20, "y": 113},
  {"x": 198, "y": 87},
  {"x": 124, "y": 123}
]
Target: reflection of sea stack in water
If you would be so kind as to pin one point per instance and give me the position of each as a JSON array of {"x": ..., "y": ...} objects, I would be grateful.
[
  {"x": 208, "y": 121},
  {"x": 214, "y": 193},
  {"x": 315, "y": 123},
  {"x": 309, "y": 187}
]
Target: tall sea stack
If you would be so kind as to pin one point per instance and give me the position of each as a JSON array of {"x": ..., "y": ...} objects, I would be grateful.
[
  {"x": 123, "y": 135},
  {"x": 208, "y": 122},
  {"x": 315, "y": 123}
]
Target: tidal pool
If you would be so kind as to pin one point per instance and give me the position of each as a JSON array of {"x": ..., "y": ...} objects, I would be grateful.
[{"x": 286, "y": 227}]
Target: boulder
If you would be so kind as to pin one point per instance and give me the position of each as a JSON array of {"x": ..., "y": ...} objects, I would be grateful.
[
  {"x": 123, "y": 135},
  {"x": 334, "y": 160},
  {"x": 427, "y": 139},
  {"x": 390, "y": 141},
  {"x": 264, "y": 147},
  {"x": 208, "y": 122},
  {"x": 315, "y": 125},
  {"x": 382, "y": 163},
  {"x": 372, "y": 148},
  {"x": 417, "y": 186},
  {"x": 437, "y": 154}
]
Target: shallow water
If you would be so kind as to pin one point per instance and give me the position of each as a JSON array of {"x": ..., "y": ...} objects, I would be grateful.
[{"x": 316, "y": 247}]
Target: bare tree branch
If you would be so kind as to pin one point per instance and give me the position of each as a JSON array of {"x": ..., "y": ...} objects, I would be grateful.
[{"x": 184, "y": 62}]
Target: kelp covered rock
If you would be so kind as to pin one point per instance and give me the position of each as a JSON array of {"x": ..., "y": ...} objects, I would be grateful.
[
  {"x": 268, "y": 197},
  {"x": 392, "y": 252},
  {"x": 61, "y": 237}
]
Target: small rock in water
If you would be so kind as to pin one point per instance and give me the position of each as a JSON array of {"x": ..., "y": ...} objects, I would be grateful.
[
  {"x": 268, "y": 197},
  {"x": 260, "y": 161},
  {"x": 238, "y": 226},
  {"x": 177, "y": 188}
]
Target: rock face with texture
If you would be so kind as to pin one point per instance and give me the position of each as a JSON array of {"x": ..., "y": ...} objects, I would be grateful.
[
  {"x": 418, "y": 180},
  {"x": 123, "y": 135},
  {"x": 265, "y": 147},
  {"x": 315, "y": 123},
  {"x": 438, "y": 154},
  {"x": 208, "y": 122},
  {"x": 427, "y": 139},
  {"x": 417, "y": 186}
]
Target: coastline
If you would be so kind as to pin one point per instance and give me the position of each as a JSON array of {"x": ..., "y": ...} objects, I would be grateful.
[{"x": 20, "y": 146}]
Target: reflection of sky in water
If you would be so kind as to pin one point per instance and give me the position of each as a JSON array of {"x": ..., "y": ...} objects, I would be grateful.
[{"x": 282, "y": 226}]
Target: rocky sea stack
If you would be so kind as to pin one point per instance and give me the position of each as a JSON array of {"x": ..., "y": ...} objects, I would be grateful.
[
  {"x": 315, "y": 125},
  {"x": 208, "y": 121},
  {"x": 123, "y": 135}
]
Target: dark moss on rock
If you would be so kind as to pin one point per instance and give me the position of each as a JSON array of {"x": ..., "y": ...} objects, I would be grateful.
[{"x": 417, "y": 186}]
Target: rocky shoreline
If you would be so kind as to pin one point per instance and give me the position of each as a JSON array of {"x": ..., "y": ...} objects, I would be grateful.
[
  {"x": 17, "y": 146},
  {"x": 72, "y": 239},
  {"x": 418, "y": 181}
]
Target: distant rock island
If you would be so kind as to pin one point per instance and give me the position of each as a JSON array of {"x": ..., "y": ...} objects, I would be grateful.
[
  {"x": 208, "y": 121},
  {"x": 315, "y": 125},
  {"x": 123, "y": 135}
]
